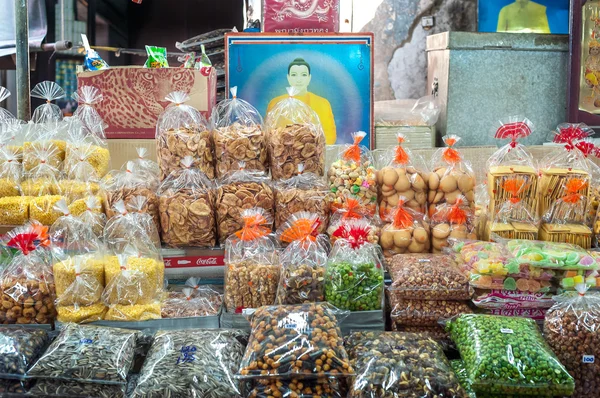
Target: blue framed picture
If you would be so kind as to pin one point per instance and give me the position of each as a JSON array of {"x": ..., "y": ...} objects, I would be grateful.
[
  {"x": 333, "y": 74},
  {"x": 524, "y": 16}
]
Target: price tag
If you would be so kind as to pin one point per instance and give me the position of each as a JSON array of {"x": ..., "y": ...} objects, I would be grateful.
[
  {"x": 506, "y": 331},
  {"x": 589, "y": 359}
]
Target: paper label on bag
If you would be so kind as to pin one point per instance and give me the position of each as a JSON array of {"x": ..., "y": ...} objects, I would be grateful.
[
  {"x": 506, "y": 331},
  {"x": 589, "y": 359}
]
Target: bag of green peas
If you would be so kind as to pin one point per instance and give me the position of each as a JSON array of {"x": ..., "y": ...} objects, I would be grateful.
[{"x": 354, "y": 273}]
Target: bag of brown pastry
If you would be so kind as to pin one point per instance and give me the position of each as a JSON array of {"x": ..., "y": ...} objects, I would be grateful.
[
  {"x": 405, "y": 174},
  {"x": 303, "y": 192},
  {"x": 187, "y": 207},
  {"x": 238, "y": 136},
  {"x": 406, "y": 232},
  {"x": 352, "y": 210},
  {"x": 251, "y": 263},
  {"x": 303, "y": 261},
  {"x": 452, "y": 221},
  {"x": 295, "y": 136},
  {"x": 182, "y": 131},
  {"x": 239, "y": 191}
]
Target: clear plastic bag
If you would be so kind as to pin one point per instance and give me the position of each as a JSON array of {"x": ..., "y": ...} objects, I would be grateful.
[
  {"x": 451, "y": 177},
  {"x": 145, "y": 165},
  {"x": 427, "y": 277},
  {"x": 43, "y": 155},
  {"x": 572, "y": 329},
  {"x": 91, "y": 354},
  {"x": 71, "y": 235},
  {"x": 304, "y": 192},
  {"x": 11, "y": 173},
  {"x": 12, "y": 133},
  {"x": 14, "y": 210},
  {"x": 192, "y": 363},
  {"x": 93, "y": 215},
  {"x": 390, "y": 364},
  {"x": 515, "y": 219},
  {"x": 458, "y": 367},
  {"x": 562, "y": 256},
  {"x": 20, "y": 349},
  {"x": 239, "y": 191},
  {"x": 252, "y": 263},
  {"x": 402, "y": 174},
  {"x": 87, "y": 97},
  {"x": 48, "y": 388},
  {"x": 298, "y": 388},
  {"x": 4, "y": 113},
  {"x": 425, "y": 312},
  {"x": 303, "y": 261},
  {"x": 514, "y": 154},
  {"x": 407, "y": 231},
  {"x": 354, "y": 173},
  {"x": 307, "y": 331},
  {"x": 452, "y": 221},
  {"x": 86, "y": 159},
  {"x": 354, "y": 275},
  {"x": 523, "y": 361},
  {"x": 238, "y": 136},
  {"x": 568, "y": 280},
  {"x": 352, "y": 210},
  {"x": 295, "y": 136},
  {"x": 192, "y": 302},
  {"x": 182, "y": 131},
  {"x": 187, "y": 207},
  {"x": 47, "y": 112}
]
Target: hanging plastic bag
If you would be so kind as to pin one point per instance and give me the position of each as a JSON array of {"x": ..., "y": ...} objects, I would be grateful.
[
  {"x": 4, "y": 113},
  {"x": 354, "y": 173},
  {"x": 182, "y": 131},
  {"x": 238, "y": 136},
  {"x": 408, "y": 231},
  {"x": 11, "y": 173},
  {"x": 93, "y": 215},
  {"x": 303, "y": 261},
  {"x": 515, "y": 219},
  {"x": 352, "y": 210},
  {"x": 295, "y": 136},
  {"x": 354, "y": 276},
  {"x": 47, "y": 112},
  {"x": 187, "y": 208},
  {"x": 144, "y": 164},
  {"x": 451, "y": 176},
  {"x": 452, "y": 221},
  {"x": 251, "y": 263}
]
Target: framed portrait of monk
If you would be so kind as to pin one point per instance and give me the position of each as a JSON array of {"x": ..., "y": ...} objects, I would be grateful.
[
  {"x": 523, "y": 16},
  {"x": 332, "y": 73}
]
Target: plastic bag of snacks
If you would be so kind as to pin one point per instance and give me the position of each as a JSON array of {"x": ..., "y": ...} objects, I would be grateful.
[
  {"x": 425, "y": 312},
  {"x": 352, "y": 210},
  {"x": 451, "y": 177},
  {"x": 563, "y": 256},
  {"x": 48, "y": 112},
  {"x": 11, "y": 172},
  {"x": 181, "y": 363},
  {"x": 20, "y": 349},
  {"x": 187, "y": 207},
  {"x": 182, "y": 131},
  {"x": 307, "y": 331},
  {"x": 42, "y": 156},
  {"x": 298, "y": 388},
  {"x": 251, "y": 263},
  {"x": 145, "y": 165},
  {"x": 128, "y": 184},
  {"x": 354, "y": 275},
  {"x": 436, "y": 333},
  {"x": 92, "y": 215},
  {"x": 12, "y": 135},
  {"x": 403, "y": 174},
  {"x": 295, "y": 136},
  {"x": 87, "y": 97},
  {"x": 77, "y": 191},
  {"x": 354, "y": 173},
  {"x": 237, "y": 192},
  {"x": 458, "y": 367},
  {"x": 43, "y": 209},
  {"x": 452, "y": 221},
  {"x": 514, "y": 218},
  {"x": 389, "y": 364},
  {"x": 92, "y": 354},
  {"x": 303, "y": 192},
  {"x": 303, "y": 261},
  {"x": 4, "y": 113},
  {"x": 572, "y": 329},
  {"x": 191, "y": 303},
  {"x": 71, "y": 235},
  {"x": 75, "y": 389},
  {"x": 27, "y": 284},
  {"x": 427, "y": 277},
  {"x": 14, "y": 210},
  {"x": 568, "y": 280},
  {"x": 87, "y": 159},
  {"x": 238, "y": 136},
  {"x": 407, "y": 232},
  {"x": 523, "y": 361},
  {"x": 513, "y": 299}
]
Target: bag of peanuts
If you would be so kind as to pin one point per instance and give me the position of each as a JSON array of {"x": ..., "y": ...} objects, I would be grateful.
[
  {"x": 182, "y": 131},
  {"x": 402, "y": 174},
  {"x": 238, "y": 136},
  {"x": 11, "y": 173},
  {"x": 352, "y": 210},
  {"x": 455, "y": 220},
  {"x": 27, "y": 283},
  {"x": 239, "y": 191},
  {"x": 87, "y": 97},
  {"x": 303, "y": 261},
  {"x": 187, "y": 207},
  {"x": 127, "y": 185},
  {"x": 303, "y": 192},
  {"x": 295, "y": 136},
  {"x": 47, "y": 112},
  {"x": 354, "y": 174},
  {"x": 451, "y": 177},
  {"x": 251, "y": 263},
  {"x": 408, "y": 231},
  {"x": 144, "y": 165}
]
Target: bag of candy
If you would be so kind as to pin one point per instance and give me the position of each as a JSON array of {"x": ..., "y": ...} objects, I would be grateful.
[
  {"x": 452, "y": 221},
  {"x": 558, "y": 256},
  {"x": 407, "y": 231},
  {"x": 48, "y": 112}
]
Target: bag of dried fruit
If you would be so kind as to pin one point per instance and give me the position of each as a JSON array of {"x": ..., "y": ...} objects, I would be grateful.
[
  {"x": 182, "y": 131},
  {"x": 11, "y": 173},
  {"x": 238, "y": 136},
  {"x": 128, "y": 184},
  {"x": 251, "y": 263},
  {"x": 187, "y": 207},
  {"x": 354, "y": 174},
  {"x": 144, "y": 164},
  {"x": 303, "y": 261},
  {"x": 27, "y": 283},
  {"x": 451, "y": 176},
  {"x": 48, "y": 112},
  {"x": 455, "y": 220},
  {"x": 295, "y": 136},
  {"x": 402, "y": 173},
  {"x": 354, "y": 274},
  {"x": 352, "y": 210},
  {"x": 407, "y": 231},
  {"x": 303, "y": 192}
]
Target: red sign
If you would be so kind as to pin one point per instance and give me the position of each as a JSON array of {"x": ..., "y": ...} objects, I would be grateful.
[
  {"x": 194, "y": 261},
  {"x": 308, "y": 16}
]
